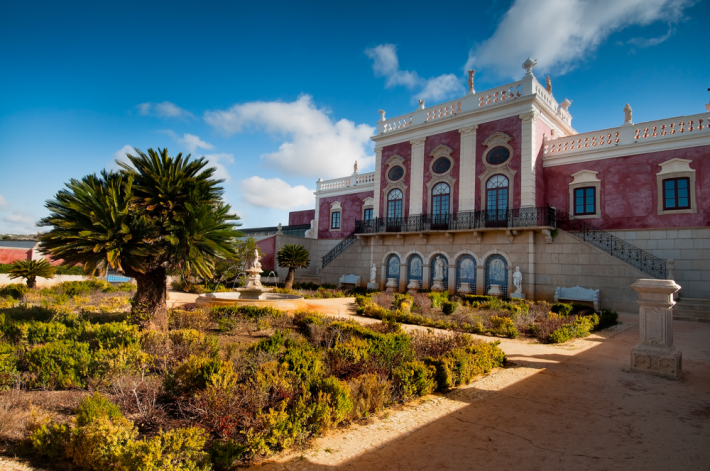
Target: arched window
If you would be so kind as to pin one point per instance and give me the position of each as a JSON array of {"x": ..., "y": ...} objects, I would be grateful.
[
  {"x": 497, "y": 199},
  {"x": 393, "y": 267},
  {"x": 466, "y": 272},
  {"x": 415, "y": 269},
  {"x": 497, "y": 273},
  {"x": 394, "y": 204},
  {"x": 445, "y": 271},
  {"x": 440, "y": 200}
]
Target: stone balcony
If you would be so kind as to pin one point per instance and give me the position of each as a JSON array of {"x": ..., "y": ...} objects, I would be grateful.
[{"x": 362, "y": 181}]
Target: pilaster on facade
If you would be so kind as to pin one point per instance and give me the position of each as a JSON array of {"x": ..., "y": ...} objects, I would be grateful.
[
  {"x": 417, "y": 176},
  {"x": 467, "y": 172},
  {"x": 528, "y": 157},
  {"x": 378, "y": 170}
]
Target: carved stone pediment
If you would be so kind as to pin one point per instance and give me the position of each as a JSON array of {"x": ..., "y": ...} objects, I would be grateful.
[
  {"x": 394, "y": 160},
  {"x": 497, "y": 138},
  {"x": 441, "y": 151}
]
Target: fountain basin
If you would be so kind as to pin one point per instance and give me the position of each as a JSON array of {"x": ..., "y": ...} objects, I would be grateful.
[{"x": 285, "y": 302}]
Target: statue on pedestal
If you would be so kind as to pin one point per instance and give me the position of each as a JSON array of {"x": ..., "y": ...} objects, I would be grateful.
[
  {"x": 549, "y": 85},
  {"x": 421, "y": 104},
  {"x": 256, "y": 263},
  {"x": 471, "y": 73},
  {"x": 355, "y": 168},
  {"x": 628, "y": 114},
  {"x": 518, "y": 280},
  {"x": 439, "y": 269},
  {"x": 373, "y": 274}
]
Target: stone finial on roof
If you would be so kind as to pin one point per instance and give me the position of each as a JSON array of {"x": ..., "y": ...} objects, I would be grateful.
[
  {"x": 549, "y": 85},
  {"x": 382, "y": 114},
  {"x": 528, "y": 65},
  {"x": 707, "y": 107},
  {"x": 471, "y": 73}
]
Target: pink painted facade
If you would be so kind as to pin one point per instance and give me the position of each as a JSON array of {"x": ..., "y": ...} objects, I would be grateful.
[
  {"x": 451, "y": 139},
  {"x": 628, "y": 189},
  {"x": 268, "y": 247},
  {"x": 351, "y": 211},
  {"x": 512, "y": 127},
  {"x": 404, "y": 150},
  {"x": 301, "y": 217},
  {"x": 8, "y": 255}
]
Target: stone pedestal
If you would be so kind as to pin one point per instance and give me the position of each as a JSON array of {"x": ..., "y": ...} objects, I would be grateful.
[
  {"x": 655, "y": 352},
  {"x": 495, "y": 290},
  {"x": 413, "y": 287},
  {"x": 517, "y": 295},
  {"x": 392, "y": 285},
  {"x": 373, "y": 286},
  {"x": 465, "y": 288},
  {"x": 438, "y": 285}
]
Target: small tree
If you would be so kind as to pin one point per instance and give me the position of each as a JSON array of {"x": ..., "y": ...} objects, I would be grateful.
[
  {"x": 30, "y": 270},
  {"x": 292, "y": 256}
]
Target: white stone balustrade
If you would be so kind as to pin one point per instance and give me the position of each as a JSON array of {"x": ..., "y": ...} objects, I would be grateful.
[
  {"x": 364, "y": 179},
  {"x": 472, "y": 102},
  {"x": 685, "y": 126}
]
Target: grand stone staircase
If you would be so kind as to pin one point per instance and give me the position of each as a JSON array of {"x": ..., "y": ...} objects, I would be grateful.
[{"x": 692, "y": 309}]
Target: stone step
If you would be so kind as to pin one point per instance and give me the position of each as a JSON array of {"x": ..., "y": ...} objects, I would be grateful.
[{"x": 692, "y": 309}]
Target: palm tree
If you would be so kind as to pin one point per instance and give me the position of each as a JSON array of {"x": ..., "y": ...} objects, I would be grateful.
[
  {"x": 158, "y": 213},
  {"x": 292, "y": 256},
  {"x": 30, "y": 270}
]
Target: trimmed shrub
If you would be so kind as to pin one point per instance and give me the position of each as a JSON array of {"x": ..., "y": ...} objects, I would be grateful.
[
  {"x": 225, "y": 454},
  {"x": 413, "y": 378},
  {"x": 504, "y": 326},
  {"x": 369, "y": 393},
  {"x": 179, "y": 449},
  {"x": 581, "y": 327},
  {"x": 332, "y": 403},
  {"x": 8, "y": 365},
  {"x": 96, "y": 407},
  {"x": 14, "y": 290},
  {"x": 448, "y": 307},
  {"x": 460, "y": 365},
  {"x": 438, "y": 299},
  {"x": 561, "y": 309},
  {"x": 196, "y": 373},
  {"x": 245, "y": 312},
  {"x": 180, "y": 319},
  {"x": 271, "y": 344},
  {"x": 60, "y": 364},
  {"x": 607, "y": 318},
  {"x": 303, "y": 361}
]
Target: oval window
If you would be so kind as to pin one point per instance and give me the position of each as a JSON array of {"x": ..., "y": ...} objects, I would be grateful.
[
  {"x": 442, "y": 165},
  {"x": 498, "y": 155},
  {"x": 396, "y": 173}
]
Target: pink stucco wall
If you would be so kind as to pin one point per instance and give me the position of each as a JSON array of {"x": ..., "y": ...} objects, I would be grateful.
[
  {"x": 628, "y": 197},
  {"x": 352, "y": 211},
  {"x": 301, "y": 217},
  {"x": 268, "y": 246},
  {"x": 8, "y": 255},
  {"x": 511, "y": 126},
  {"x": 451, "y": 139},
  {"x": 404, "y": 150},
  {"x": 541, "y": 130}
]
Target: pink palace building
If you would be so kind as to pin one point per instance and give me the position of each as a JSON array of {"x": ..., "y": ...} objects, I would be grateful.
[{"x": 499, "y": 179}]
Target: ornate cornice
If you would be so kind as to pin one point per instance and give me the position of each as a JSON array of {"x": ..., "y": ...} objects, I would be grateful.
[
  {"x": 441, "y": 151},
  {"x": 497, "y": 137},
  {"x": 418, "y": 142},
  {"x": 529, "y": 116},
  {"x": 394, "y": 160}
]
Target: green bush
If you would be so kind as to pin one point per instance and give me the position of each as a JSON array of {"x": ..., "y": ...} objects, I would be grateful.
[
  {"x": 50, "y": 439},
  {"x": 449, "y": 307},
  {"x": 607, "y": 318},
  {"x": 179, "y": 449},
  {"x": 562, "y": 309},
  {"x": 60, "y": 364},
  {"x": 196, "y": 373},
  {"x": 245, "y": 312},
  {"x": 369, "y": 393},
  {"x": 303, "y": 361},
  {"x": 414, "y": 378},
  {"x": 14, "y": 290},
  {"x": 460, "y": 365},
  {"x": 272, "y": 344},
  {"x": 437, "y": 299},
  {"x": 504, "y": 326},
  {"x": 96, "y": 407},
  {"x": 224, "y": 454},
  {"x": 8, "y": 365},
  {"x": 333, "y": 403},
  {"x": 581, "y": 327}
]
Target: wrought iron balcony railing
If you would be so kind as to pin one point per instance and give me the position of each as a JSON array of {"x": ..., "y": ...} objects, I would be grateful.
[
  {"x": 467, "y": 220},
  {"x": 614, "y": 246}
]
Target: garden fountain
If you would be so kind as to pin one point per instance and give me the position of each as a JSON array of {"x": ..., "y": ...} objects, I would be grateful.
[{"x": 252, "y": 294}]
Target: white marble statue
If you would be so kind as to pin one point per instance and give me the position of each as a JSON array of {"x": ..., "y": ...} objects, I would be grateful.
[
  {"x": 518, "y": 280},
  {"x": 373, "y": 274},
  {"x": 256, "y": 263},
  {"x": 439, "y": 269},
  {"x": 471, "y": 73},
  {"x": 421, "y": 104},
  {"x": 548, "y": 86},
  {"x": 355, "y": 168},
  {"x": 628, "y": 114}
]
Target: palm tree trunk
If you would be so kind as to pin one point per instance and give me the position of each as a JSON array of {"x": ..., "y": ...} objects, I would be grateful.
[
  {"x": 289, "y": 278},
  {"x": 31, "y": 281},
  {"x": 149, "y": 308}
]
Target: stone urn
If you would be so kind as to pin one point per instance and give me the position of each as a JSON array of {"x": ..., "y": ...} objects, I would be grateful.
[
  {"x": 465, "y": 288},
  {"x": 413, "y": 287},
  {"x": 495, "y": 290},
  {"x": 392, "y": 285}
]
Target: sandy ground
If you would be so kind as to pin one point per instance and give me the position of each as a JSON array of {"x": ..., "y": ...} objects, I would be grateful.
[{"x": 569, "y": 407}]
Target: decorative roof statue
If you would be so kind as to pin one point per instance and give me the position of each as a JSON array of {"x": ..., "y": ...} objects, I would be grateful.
[
  {"x": 528, "y": 66},
  {"x": 382, "y": 114},
  {"x": 565, "y": 104},
  {"x": 628, "y": 112},
  {"x": 707, "y": 107},
  {"x": 471, "y": 73},
  {"x": 278, "y": 228},
  {"x": 355, "y": 168},
  {"x": 421, "y": 104},
  {"x": 549, "y": 85}
]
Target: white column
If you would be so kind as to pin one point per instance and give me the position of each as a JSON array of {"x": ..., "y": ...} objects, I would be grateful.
[
  {"x": 416, "y": 179},
  {"x": 527, "y": 159},
  {"x": 378, "y": 174},
  {"x": 467, "y": 172}
]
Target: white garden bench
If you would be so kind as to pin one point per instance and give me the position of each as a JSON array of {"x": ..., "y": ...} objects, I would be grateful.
[
  {"x": 350, "y": 280},
  {"x": 578, "y": 293}
]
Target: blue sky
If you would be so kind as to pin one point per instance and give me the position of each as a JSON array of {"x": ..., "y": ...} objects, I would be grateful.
[{"x": 278, "y": 94}]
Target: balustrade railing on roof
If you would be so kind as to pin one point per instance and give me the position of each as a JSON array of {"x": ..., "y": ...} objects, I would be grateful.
[
  {"x": 353, "y": 180},
  {"x": 630, "y": 134}
]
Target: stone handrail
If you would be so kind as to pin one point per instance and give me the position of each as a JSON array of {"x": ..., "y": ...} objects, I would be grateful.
[
  {"x": 364, "y": 179},
  {"x": 684, "y": 126},
  {"x": 476, "y": 101}
]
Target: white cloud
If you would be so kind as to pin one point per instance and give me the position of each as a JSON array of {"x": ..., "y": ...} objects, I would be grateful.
[
  {"x": 560, "y": 33},
  {"x": 275, "y": 193},
  {"x": 165, "y": 109},
  {"x": 19, "y": 222},
  {"x": 120, "y": 155},
  {"x": 4, "y": 205},
  {"x": 318, "y": 147},
  {"x": 192, "y": 143},
  {"x": 386, "y": 64},
  {"x": 217, "y": 161}
]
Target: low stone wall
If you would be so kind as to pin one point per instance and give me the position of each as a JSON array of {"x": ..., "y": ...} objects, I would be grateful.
[{"x": 43, "y": 282}]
